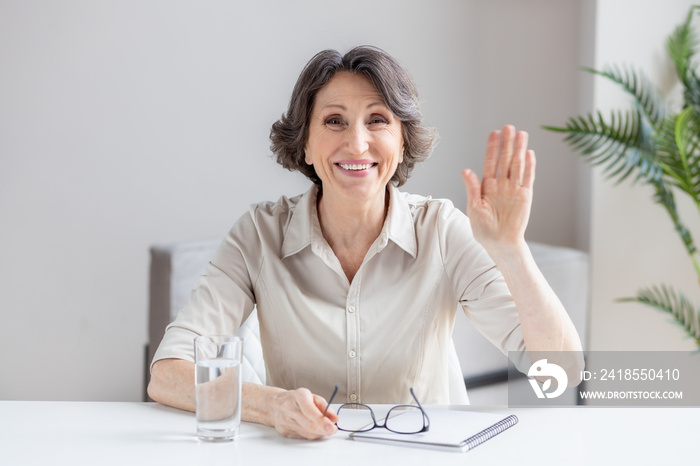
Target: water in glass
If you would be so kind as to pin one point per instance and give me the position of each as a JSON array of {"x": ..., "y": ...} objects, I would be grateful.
[{"x": 218, "y": 391}]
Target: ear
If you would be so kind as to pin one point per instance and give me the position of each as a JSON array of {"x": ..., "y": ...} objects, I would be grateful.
[{"x": 307, "y": 158}]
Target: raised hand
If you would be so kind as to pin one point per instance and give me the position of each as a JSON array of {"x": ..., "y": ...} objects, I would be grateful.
[{"x": 499, "y": 206}]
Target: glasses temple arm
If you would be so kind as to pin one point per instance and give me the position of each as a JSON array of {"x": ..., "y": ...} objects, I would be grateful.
[
  {"x": 335, "y": 391},
  {"x": 425, "y": 415}
]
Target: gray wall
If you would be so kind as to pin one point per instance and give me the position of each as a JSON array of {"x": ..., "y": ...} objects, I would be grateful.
[
  {"x": 133, "y": 122},
  {"x": 633, "y": 243}
]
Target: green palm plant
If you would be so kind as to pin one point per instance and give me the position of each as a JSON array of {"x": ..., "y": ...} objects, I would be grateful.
[{"x": 656, "y": 147}]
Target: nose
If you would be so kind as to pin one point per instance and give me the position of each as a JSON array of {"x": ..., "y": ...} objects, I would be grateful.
[{"x": 357, "y": 139}]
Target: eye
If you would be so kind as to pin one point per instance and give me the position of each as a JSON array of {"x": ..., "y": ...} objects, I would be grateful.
[
  {"x": 378, "y": 120},
  {"x": 334, "y": 121}
]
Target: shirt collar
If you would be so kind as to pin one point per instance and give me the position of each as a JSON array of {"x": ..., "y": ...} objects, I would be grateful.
[
  {"x": 399, "y": 224},
  {"x": 301, "y": 225},
  {"x": 304, "y": 228}
]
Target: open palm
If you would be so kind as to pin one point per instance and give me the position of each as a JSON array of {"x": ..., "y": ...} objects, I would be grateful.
[{"x": 499, "y": 206}]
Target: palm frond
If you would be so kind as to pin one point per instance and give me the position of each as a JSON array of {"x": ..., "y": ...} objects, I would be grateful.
[
  {"x": 687, "y": 139},
  {"x": 621, "y": 145},
  {"x": 666, "y": 299},
  {"x": 647, "y": 97},
  {"x": 664, "y": 196},
  {"x": 682, "y": 46},
  {"x": 677, "y": 143},
  {"x": 691, "y": 90}
]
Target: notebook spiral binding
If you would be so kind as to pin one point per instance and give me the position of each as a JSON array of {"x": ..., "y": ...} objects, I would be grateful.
[{"x": 476, "y": 440}]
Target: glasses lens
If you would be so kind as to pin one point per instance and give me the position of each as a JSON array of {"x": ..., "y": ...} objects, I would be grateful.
[
  {"x": 405, "y": 420},
  {"x": 355, "y": 418}
]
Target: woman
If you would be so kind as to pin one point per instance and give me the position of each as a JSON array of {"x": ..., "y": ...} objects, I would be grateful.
[{"x": 356, "y": 283}]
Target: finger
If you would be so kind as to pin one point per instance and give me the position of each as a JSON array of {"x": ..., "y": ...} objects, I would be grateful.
[
  {"x": 323, "y": 406},
  {"x": 506, "y": 153},
  {"x": 312, "y": 418},
  {"x": 517, "y": 165},
  {"x": 471, "y": 183},
  {"x": 491, "y": 158},
  {"x": 529, "y": 171}
]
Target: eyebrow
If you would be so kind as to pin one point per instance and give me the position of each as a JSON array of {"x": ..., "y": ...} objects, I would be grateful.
[{"x": 342, "y": 107}]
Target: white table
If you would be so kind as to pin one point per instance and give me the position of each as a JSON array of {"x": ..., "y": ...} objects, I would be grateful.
[{"x": 130, "y": 434}]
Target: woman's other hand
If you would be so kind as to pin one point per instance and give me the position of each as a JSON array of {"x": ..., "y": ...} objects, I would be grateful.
[
  {"x": 299, "y": 414},
  {"x": 499, "y": 206}
]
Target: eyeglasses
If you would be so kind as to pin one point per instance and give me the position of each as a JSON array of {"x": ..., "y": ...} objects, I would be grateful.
[{"x": 401, "y": 419}]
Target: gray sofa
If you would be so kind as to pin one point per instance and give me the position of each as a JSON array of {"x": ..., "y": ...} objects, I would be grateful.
[{"x": 175, "y": 268}]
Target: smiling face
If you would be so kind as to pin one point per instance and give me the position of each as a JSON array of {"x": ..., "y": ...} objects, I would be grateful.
[{"x": 354, "y": 142}]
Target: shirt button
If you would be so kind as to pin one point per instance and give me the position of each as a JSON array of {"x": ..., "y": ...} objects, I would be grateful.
[
  {"x": 351, "y": 309},
  {"x": 352, "y": 354},
  {"x": 353, "y": 397}
]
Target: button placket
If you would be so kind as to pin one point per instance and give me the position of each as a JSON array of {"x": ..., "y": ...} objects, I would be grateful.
[{"x": 352, "y": 319}]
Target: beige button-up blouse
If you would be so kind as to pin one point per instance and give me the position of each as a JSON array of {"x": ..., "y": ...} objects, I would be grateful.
[{"x": 388, "y": 330}]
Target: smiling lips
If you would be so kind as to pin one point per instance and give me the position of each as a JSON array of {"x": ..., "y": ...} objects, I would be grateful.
[{"x": 355, "y": 166}]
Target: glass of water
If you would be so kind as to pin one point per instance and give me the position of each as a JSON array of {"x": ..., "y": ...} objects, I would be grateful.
[{"x": 218, "y": 386}]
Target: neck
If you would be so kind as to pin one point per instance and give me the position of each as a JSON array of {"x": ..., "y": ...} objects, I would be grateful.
[{"x": 351, "y": 224}]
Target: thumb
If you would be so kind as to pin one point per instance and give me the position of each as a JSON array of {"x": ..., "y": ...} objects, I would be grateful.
[{"x": 472, "y": 184}]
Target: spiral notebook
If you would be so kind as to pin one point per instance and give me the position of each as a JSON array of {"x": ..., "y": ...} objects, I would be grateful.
[{"x": 449, "y": 430}]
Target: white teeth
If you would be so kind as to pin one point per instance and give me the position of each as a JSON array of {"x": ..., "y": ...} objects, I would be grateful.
[{"x": 355, "y": 166}]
